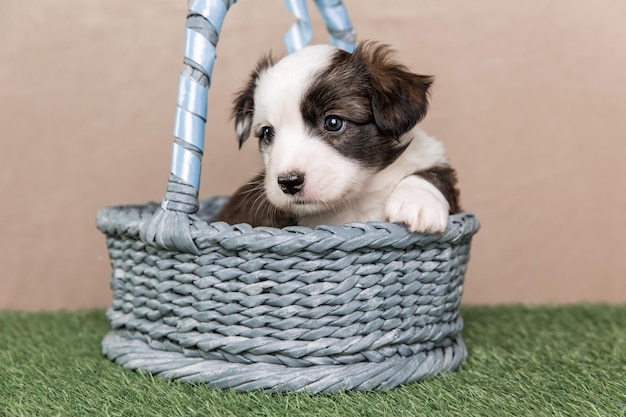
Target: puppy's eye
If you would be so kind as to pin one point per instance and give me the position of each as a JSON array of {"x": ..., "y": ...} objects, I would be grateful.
[
  {"x": 266, "y": 134},
  {"x": 334, "y": 124}
]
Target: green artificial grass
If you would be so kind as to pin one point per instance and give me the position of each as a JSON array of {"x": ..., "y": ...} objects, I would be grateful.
[{"x": 542, "y": 361}]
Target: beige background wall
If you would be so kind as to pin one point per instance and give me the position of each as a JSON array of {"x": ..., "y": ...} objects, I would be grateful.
[{"x": 529, "y": 100}]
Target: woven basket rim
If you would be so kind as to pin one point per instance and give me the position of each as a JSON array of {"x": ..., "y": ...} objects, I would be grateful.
[{"x": 126, "y": 221}]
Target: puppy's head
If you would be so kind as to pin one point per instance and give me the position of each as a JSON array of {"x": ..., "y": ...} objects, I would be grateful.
[{"x": 327, "y": 120}]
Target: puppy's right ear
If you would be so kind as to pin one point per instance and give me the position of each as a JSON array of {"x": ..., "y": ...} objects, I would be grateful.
[{"x": 243, "y": 109}]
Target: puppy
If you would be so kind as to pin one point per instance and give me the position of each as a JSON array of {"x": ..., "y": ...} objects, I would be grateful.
[{"x": 338, "y": 136}]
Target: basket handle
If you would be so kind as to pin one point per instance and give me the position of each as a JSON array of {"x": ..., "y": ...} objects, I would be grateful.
[
  {"x": 170, "y": 226},
  {"x": 340, "y": 30},
  {"x": 336, "y": 19}
]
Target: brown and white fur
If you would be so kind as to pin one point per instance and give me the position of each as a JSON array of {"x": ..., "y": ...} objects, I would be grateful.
[{"x": 338, "y": 136}]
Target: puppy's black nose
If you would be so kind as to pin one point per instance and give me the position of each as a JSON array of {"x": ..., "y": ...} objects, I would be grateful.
[{"x": 291, "y": 182}]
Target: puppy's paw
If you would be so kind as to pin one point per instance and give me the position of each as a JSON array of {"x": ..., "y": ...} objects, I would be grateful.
[{"x": 419, "y": 205}]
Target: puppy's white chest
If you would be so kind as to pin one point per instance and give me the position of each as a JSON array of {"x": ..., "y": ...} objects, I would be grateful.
[
  {"x": 370, "y": 207},
  {"x": 395, "y": 194}
]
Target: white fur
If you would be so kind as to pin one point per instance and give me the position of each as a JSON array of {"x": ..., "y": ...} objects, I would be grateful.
[
  {"x": 418, "y": 204},
  {"x": 393, "y": 194},
  {"x": 279, "y": 89},
  {"x": 337, "y": 189},
  {"x": 330, "y": 178}
]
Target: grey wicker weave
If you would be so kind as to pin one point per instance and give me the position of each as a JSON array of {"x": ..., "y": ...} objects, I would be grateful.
[{"x": 364, "y": 306}]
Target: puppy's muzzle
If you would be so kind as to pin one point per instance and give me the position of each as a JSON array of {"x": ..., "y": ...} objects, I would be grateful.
[{"x": 291, "y": 183}]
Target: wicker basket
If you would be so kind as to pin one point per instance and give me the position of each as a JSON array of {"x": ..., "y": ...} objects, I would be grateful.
[{"x": 362, "y": 306}]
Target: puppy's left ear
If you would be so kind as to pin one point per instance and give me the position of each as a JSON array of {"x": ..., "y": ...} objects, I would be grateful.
[
  {"x": 399, "y": 97},
  {"x": 243, "y": 106}
]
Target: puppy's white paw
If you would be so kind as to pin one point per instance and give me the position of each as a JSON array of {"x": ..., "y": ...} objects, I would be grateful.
[{"x": 418, "y": 204}]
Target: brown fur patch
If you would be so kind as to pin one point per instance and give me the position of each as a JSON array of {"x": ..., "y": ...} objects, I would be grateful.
[
  {"x": 443, "y": 177},
  {"x": 378, "y": 98},
  {"x": 249, "y": 205},
  {"x": 399, "y": 97},
  {"x": 243, "y": 105}
]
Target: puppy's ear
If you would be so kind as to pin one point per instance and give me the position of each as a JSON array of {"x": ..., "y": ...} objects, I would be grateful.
[
  {"x": 243, "y": 106},
  {"x": 399, "y": 97}
]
